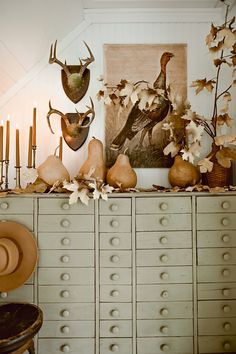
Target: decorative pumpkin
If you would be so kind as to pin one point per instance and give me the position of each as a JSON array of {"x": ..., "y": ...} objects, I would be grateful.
[
  {"x": 95, "y": 161},
  {"x": 121, "y": 174},
  {"x": 53, "y": 170},
  {"x": 183, "y": 173}
]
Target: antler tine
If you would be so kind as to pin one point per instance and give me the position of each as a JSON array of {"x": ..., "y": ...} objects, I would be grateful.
[
  {"x": 51, "y": 111},
  {"x": 86, "y": 61},
  {"x": 53, "y": 59},
  {"x": 84, "y": 116}
]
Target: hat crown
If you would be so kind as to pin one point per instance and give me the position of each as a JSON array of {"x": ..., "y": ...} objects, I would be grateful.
[{"x": 9, "y": 256}]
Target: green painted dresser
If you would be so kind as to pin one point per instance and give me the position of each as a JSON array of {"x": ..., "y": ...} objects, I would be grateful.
[{"x": 141, "y": 273}]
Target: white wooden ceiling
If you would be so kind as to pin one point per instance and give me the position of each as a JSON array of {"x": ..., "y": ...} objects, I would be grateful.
[{"x": 28, "y": 27}]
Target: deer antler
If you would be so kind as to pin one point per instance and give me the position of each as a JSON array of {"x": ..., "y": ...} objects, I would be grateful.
[
  {"x": 53, "y": 59},
  {"x": 86, "y": 61},
  {"x": 51, "y": 111},
  {"x": 83, "y": 116}
]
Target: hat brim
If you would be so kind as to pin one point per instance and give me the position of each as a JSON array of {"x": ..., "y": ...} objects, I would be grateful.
[{"x": 28, "y": 254}]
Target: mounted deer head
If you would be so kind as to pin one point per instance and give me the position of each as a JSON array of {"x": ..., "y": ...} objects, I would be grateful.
[
  {"x": 75, "y": 78},
  {"x": 74, "y": 126}
]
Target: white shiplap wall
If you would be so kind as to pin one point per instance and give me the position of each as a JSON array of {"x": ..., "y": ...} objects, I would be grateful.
[{"x": 100, "y": 27}]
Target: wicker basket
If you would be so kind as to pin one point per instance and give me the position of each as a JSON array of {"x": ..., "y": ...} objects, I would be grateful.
[{"x": 218, "y": 177}]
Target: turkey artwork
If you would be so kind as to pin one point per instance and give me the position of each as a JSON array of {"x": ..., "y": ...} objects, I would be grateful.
[{"x": 148, "y": 77}]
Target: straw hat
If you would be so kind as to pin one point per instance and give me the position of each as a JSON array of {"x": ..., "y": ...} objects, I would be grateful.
[{"x": 18, "y": 255}]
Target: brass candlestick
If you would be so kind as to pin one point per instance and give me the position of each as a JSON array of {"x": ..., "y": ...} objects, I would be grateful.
[
  {"x": 34, "y": 147},
  {"x": 6, "y": 173},
  {"x": 18, "y": 186},
  {"x": 1, "y": 173}
]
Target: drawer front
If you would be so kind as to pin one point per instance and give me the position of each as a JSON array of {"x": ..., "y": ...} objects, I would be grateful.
[
  {"x": 158, "y": 275},
  {"x": 68, "y": 276},
  {"x": 157, "y": 310},
  {"x": 115, "y": 240},
  {"x": 115, "y": 206},
  {"x": 214, "y": 291},
  {"x": 61, "y": 206},
  {"x": 119, "y": 345},
  {"x": 16, "y": 206},
  {"x": 163, "y": 205},
  {"x": 216, "y": 204},
  {"x": 66, "y": 258},
  {"x": 216, "y": 221},
  {"x": 116, "y": 328},
  {"x": 52, "y": 293},
  {"x": 217, "y": 327},
  {"x": 164, "y": 257},
  {"x": 167, "y": 328},
  {"x": 26, "y": 220},
  {"x": 174, "y": 345},
  {"x": 63, "y": 223},
  {"x": 211, "y": 274},
  {"x": 215, "y": 309},
  {"x": 23, "y": 294},
  {"x": 115, "y": 258},
  {"x": 113, "y": 311},
  {"x": 165, "y": 292},
  {"x": 169, "y": 239},
  {"x": 216, "y": 239},
  {"x": 73, "y": 346},
  {"x": 118, "y": 293},
  {"x": 67, "y": 329},
  {"x": 216, "y": 256},
  {"x": 59, "y": 241},
  {"x": 115, "y": 223},
  {"x": 68, "y": 312},
  {"x": 219, "y": 344},
  {"x": 115, "y": 275},
  {"x": 160, "y": 222}
]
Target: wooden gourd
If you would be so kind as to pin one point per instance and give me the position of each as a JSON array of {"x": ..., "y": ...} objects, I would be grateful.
[
  {"x": 53, "y": 170},
  {"x": 121, "y": 174},
  {"x": 183, "y": 173}
]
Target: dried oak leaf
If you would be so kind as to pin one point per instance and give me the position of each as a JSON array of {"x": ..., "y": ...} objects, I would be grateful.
[
  {"x": 205, "y": 165},
  {"x": 218, "y": 47},
  {"x": 172, "y": 148},
  {"x": 225, "y": 156},
  {"x": 225, "y": 139},
  {"x": 225, "y": 119},
  {"x": 212, "y": 35},
  {"x": 218, "y": 62},
  {"x": 203, "y": 83},
  {"x": 225, "y": 102},
  {"x": 227, "y": 36},
  {"x": 39, "y": 186}
]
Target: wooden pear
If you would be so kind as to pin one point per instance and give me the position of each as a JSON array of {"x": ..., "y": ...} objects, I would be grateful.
[
  {"x": 121, "y": 174},
  {"x": 183, "y": 173},
  {"x": 53, "y": 170},
  {"x": 95, "y": 161}
]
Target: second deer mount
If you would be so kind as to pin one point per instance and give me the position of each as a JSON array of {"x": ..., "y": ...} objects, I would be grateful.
[
  {"x": 74, "y": 126},
  {"x": 75, "y": 78}
]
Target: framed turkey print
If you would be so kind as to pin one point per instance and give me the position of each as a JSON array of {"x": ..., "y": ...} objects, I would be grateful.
[{"x": 144, "y": 80}]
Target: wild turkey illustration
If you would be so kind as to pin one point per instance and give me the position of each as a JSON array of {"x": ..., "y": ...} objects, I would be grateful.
[{"x": 145, "y": 120}]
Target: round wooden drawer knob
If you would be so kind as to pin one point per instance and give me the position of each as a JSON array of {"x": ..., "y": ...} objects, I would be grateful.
[
  {"x": 115, "y": 313},
  {"x": 4, "y": 205},
  {"x": 226, "y": 272},
  {"x": 225, "y": 205},
  {"x": 65, "y": 206},
  {"x": 164, "y": 258},
  {"x": 65, "y": 313},
  {"x": 115, "y": 259},
  {"x": 165, "y": 347},
  {"x": 114, "y": 293},
  {"x": 225, "y": 292},
  {"x": 65, "y": 329},
  {"x": 225, "y": 221},
  {"x": 225, "y": 238},
  {"x": 164, "y": 312},
  {"x": 226, "y": 309},
  {"x": 227, "y": 326},
  {"x": 164, "y": 275},
  {"x": 163, "y": 206},
  {"x": 115, "y": 241},
  {"x": 3, "y": 295},
  {"x": 115, "y": 276},
  {"x": 227, "y": 345},
  {"x": 226, "y": 256},
  {"x": 114, "y": 329},
  {"x": 65, "y": 241},
  {"x": 65, "y": 348},
  {"x": 114, "y": 348},
  {"x": 164, "y": 221},
  {"x": 163, "y": 240},
  {"x": 65, "y": 259},
  {"x": 164, "y": 294},
  {"x": 164, "y": 329},
  {"x": 65, "y": 294},
  {"x": 65, "y": 276},
  {"x": 65, "y": 223},
  {"x": 114, "y": 207},
  {"x": 114, "y": 223}
]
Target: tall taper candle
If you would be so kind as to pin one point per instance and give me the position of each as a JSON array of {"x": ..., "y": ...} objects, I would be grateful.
[
  {"x": 17, "y": 147},
  {"x": 60, "y": 148},
  {"x": 7, "y": 141},
  {"x": 34, "y": 128},
  {"x": 1, "y": 141},
  {"x": 30, "y": 148}
]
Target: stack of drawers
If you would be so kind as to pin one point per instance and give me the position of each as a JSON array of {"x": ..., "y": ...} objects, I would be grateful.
[
  {"x": 66, "y": 284},
  {"x": 164, "y": 275},
  {"x": 216, "y": 250},
  {"x": 19, "y": 210},
  {"x": 115, "y": 276}
]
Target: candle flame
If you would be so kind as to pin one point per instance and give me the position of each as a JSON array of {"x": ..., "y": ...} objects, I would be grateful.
[
  {"x": 8, "y": 116},
  {"x": 17, "y": 126},
  {"x": 2, "y": 122},
  {"x": 35, "y": 105}
]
